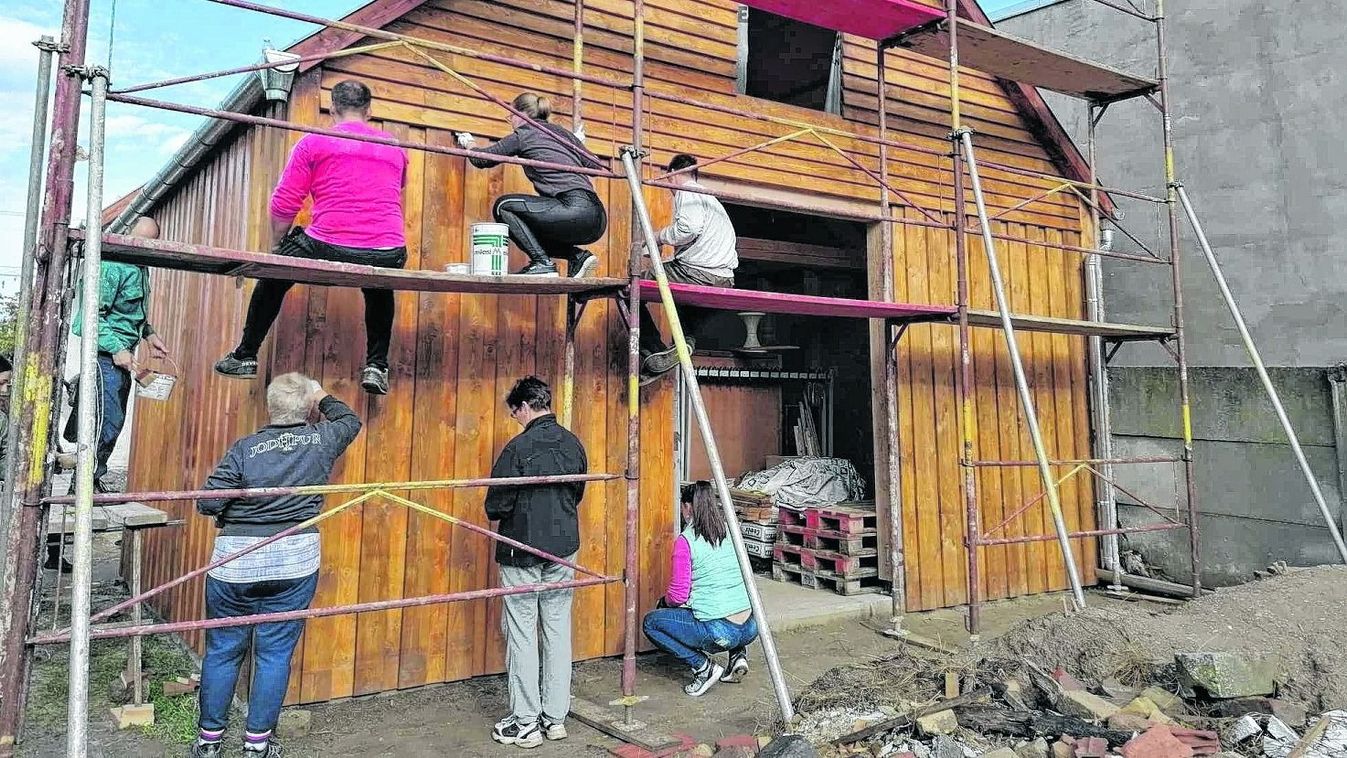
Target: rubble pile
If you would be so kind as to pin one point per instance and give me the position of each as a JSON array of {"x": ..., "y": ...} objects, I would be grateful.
[
  {"x": 1223, "y": 707},
  {"x": 1253, "y": 672}
]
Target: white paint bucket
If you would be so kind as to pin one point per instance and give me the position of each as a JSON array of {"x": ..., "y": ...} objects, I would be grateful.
[{"x": 490, "y": 249}]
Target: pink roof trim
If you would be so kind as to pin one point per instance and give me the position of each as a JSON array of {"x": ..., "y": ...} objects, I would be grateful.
[
  {"x": 874, "y": 19},
  {"x": 720, "y": 298}
]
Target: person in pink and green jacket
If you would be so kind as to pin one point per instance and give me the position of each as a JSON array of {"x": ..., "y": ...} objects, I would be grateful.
[{"x": 705, "y": 610}]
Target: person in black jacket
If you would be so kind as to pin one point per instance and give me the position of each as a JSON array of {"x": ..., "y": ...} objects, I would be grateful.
[
  {"x": 545, "y": 517},
  {"x": 566, "y": 212},
  {"x": 291, "y": 451}
]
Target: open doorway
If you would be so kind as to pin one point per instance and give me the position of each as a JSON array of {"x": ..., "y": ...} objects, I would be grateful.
[{"x": 808, "y": 388}]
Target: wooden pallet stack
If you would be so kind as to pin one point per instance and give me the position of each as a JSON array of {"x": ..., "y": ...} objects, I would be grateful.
[
  {"x": 757, "y": 521},
  {"x": 834, "y": 547}
]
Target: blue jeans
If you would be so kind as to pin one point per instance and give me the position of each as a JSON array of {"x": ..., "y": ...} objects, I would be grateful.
[
  {"x": 272, "y": 644},
  {"x": 114, "y": 389},
  {"x": 677, "y": 631}
]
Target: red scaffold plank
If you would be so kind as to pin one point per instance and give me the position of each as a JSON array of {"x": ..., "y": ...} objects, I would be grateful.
[
  {"x": 873, "y": 19},
  {"x": 723, "y": 299}
]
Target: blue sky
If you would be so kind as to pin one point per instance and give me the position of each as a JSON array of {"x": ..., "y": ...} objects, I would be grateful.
[{"x": 150, "y": 40}]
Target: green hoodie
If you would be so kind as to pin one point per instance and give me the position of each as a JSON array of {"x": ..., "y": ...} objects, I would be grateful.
[{"x": 123, "y": 319}]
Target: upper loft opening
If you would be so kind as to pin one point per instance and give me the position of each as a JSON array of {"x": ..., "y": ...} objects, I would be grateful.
[{"x": 789, "y": 61}]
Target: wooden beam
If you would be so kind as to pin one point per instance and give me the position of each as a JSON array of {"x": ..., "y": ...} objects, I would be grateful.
[{"x": 800, "y": 254}]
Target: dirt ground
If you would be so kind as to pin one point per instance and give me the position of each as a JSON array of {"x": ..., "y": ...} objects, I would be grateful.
[
  {"x": 1296, "y": 618},
  {"x": 455, "y": 719}
]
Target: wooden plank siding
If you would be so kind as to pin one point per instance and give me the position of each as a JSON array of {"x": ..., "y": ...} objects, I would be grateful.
[{"x": 454, "y": 356}]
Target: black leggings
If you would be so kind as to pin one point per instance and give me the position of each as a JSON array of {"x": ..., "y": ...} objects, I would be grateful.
[
  {"x": 552, "y": 227},
  {"x": 269, "y": 295}
]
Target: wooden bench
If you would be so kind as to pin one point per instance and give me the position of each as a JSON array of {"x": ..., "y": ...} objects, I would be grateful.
[{"x": 134, "y": 518}]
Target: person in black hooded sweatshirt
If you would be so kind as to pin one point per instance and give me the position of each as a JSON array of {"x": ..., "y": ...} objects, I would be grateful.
[{"x": 566, "y": 212}]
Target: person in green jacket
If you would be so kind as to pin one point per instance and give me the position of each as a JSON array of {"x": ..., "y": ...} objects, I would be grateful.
[{"x": 123, "y": 323}]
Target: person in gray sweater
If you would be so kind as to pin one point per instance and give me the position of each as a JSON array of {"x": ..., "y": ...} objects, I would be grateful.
[
  {"x": 294, "y": 450},
  {"x": 704, "y": 244},
  {"x": 566, "y": 212}
]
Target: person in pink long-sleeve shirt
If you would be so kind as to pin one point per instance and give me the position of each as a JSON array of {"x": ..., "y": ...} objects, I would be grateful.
[
  {"x": 706, "y": 608},
  {"x": 357, "y": 191}
]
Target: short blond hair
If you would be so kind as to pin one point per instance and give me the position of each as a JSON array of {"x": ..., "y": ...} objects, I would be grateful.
[{"x": 288, "y": 398}]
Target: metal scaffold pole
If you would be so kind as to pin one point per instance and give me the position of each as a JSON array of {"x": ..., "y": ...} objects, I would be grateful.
[
  {"x": 631, "y": 573},
  {"x": 1263, "y": 377},
  {"x": 1021, "y": 382},
  {"x": 967, "y": 430},
  {"x": 1176, "y": 271},
  {"x": 718, "y": 478},
  {"x": 81, "y": 578},
  {"x": 46, "y": 51},
  {"x": 22, "y": 540}
]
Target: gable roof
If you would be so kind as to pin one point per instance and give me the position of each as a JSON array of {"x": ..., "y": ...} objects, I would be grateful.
[{"x": 1038, "y": 117}]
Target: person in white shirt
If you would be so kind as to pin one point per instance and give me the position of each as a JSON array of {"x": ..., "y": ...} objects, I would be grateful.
[{"x": 704, "y": 253}]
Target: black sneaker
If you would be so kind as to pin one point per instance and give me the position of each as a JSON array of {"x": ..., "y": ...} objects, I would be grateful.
[
  {"x": 584, "y": 265},
  {"x": 51, "y": 565},
  {"x": 272, "y": 750},
  {"x": 510, "y": 732},
  {"x": 738, "y": 668},
  {"x": 205, "y": 750},
  {"x": 648, "y": 378},
  {"x": 554, "y": 730},
  {"x": 374, "y": 380},
  {"x": 538, "y": 269},
  {"x": 665, "y": 360},
  {"x": 236, "y": 368},
  {"x": 704, "y": 678}
]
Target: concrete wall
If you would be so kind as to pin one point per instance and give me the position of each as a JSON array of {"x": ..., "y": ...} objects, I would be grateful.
[{"x": 1257, "y": 97}]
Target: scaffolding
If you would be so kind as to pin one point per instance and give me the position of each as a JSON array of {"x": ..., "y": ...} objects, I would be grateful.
[{"x": 50, "y": 257}]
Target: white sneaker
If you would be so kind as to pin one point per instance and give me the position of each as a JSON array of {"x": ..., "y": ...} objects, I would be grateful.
[
  {"x": 511, "y": 732},
  {"x": 554, "y": 730},
  {"x": 704, "y": 678}
]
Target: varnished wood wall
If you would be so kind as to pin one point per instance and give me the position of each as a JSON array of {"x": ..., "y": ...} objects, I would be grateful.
[{"x": 454, "y": 356}]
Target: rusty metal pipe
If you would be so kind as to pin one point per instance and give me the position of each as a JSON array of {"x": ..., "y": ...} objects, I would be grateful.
[
  {"x": 1176, "y": 272},
  {"x": 112, "y": 631},
  {"x": 314, "y": 58},
  {"x": 161, "y": 496},
  {"x": 244, "y": 118},
  {"x": 1075, "y": 535},
  {"x": 375, "y": 33},
  {"x": 631, "y": 568},
  {"x": 1076, "y": 462},
  {"x": 22, "y": 541}
]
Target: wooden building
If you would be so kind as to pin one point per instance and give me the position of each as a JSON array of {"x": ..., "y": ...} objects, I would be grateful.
[{"x": 454, "y": 355}]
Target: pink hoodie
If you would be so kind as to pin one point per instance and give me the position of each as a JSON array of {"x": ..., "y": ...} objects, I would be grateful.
[{"x": 356, "y": 188}]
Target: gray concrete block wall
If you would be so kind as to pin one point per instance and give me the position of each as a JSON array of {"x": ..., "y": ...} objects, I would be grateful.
[{"x": 1258, "y": 92}]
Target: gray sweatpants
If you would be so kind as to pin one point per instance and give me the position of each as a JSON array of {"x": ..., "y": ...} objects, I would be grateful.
[{"x": 526, "y": 618}]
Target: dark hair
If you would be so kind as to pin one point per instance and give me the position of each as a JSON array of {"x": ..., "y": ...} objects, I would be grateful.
[
  {"x": 708, "y": 520},
  {"x": 350, "y": 95},
  {"x": 5, "y": 365},
  {"x": 530, "y": 391},
  {"x": 682, "y": 161},
  {"x": 533, "y": 105}
]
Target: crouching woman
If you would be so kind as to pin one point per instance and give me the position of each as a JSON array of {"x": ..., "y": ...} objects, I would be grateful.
[{"x": 705, "y": 610}]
